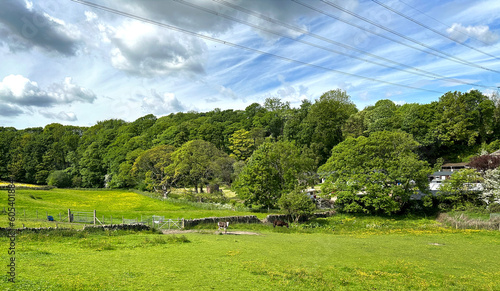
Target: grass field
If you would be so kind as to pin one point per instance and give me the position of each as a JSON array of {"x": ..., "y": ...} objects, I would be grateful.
[
  {"x": 110, "y": 203},
  {"x": 442, "y": 259},
  {"x": 342, "y": 252}
]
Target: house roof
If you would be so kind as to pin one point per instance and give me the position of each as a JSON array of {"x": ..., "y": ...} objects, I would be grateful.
[
  {"x": 442, "y": 173},
  {"x": 454, "y": 165}
]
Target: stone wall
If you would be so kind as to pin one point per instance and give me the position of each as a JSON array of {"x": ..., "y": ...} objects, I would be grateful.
[
  {"x": 136, "y": 227},
  {"x": 232, "y": 219}
]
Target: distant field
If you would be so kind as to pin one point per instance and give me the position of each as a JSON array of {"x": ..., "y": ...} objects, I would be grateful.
[
  {"x": 441, "y": 259},
  {"x": 115, "y": 203}
]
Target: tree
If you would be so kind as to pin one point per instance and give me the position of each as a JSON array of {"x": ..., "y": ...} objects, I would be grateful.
[
  {"x": 465, "y": 118},
  {"x": 150, "y": 168},
  {"x": 297, "y": 204},
  {"x": 59, "y": 179},
  {"x": 491, "y": 193},
  {"x": 322, "y": 128},
  {"x": 461, "y": 189},
  {"x": 375, "y": 174},
  {"x": 241, "y": 145},
  {"x": 485, "y": 162},
  {"x": 198, "y": 162},
  {"x": 382, "y": 117},
  {"x": 274, "y": 169}
]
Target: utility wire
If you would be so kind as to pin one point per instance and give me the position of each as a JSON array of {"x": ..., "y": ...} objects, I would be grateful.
[
  {"x": 300, "y": 30},
  {"x": 309, "y": 43},
  {"x": 432, "y": 29},
  {"x": 182, "y": 30},
  {"x": 440, "y": 55},
  {"x": 447, "y": 25}
]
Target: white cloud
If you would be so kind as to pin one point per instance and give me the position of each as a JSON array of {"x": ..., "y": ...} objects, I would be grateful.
[
  {"x": 146, "y": 50},
  {"x": 18, "y": 90},
  {"x": 90, "y": 16},
  {"x": 161, "y": 104},
  {"x": 481, "y": 32},
  {"x": 64, "y": 116}
]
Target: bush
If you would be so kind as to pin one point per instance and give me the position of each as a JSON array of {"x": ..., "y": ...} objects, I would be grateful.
[
  {"x": 297, "y": 204},
  {"x": 59, "y": 179}
]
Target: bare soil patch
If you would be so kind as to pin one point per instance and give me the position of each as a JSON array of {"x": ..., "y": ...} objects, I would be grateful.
[{"x": 180, "y": 231}]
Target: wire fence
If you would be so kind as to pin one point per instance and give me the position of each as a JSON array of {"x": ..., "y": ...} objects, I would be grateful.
[{"x": 46, "y": 217}]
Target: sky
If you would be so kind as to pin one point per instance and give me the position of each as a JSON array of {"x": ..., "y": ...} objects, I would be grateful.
[{"x": 80, "y": 62}]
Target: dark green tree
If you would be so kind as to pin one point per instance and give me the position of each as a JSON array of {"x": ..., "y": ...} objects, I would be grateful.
[
  {"x": 375, "y": 174},
  {"x": 322, "y": 128},
  {"x": 274, "y": 169}
]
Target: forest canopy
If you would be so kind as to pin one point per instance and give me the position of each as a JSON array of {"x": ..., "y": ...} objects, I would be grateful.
[{"x": 195, "y": 149}]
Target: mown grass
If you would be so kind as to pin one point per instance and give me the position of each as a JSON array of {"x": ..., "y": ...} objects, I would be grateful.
[{"x": 436, "y": 260}]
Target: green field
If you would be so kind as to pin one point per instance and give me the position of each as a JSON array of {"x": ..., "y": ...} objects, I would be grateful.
[
  {"x": 342, "y": 252},
  {"x": 445, "y": 260},
  {"x": 117, "y": 204}
]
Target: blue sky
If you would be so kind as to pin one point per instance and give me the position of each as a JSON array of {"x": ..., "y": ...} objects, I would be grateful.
[{"x": 66, "y": 62}]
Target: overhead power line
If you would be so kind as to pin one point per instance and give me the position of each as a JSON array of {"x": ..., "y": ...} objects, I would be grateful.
[
  {"x": 432, "y": 29},
  {"x": 227, "y": 43},
  {"x": 419, "y": 72},
  {"x": 447, "y": 25},
  {"x": 439, "y": 53}
]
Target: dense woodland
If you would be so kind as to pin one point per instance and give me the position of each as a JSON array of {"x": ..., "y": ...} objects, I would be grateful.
[{"x": 266, "y": 144}]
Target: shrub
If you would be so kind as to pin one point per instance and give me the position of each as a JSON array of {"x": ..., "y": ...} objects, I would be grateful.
[
  {"x": 297, "y": 204},
  {"x": 59, "y": 179}
]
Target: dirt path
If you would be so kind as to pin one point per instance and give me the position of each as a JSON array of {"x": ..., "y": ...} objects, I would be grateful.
[{"x": 180, "y": 231}]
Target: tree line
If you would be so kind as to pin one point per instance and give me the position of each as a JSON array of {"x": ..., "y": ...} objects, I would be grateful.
[{"x": 264, "y": 151}]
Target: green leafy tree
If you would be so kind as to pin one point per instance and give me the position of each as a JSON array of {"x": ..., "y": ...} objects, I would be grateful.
[
  {"x": 375, "y": 174},
  {"x": 461, "y": 190},
  {"x": 150, "y": 169},
  {"x": 382, "y": 117},
  {"x": 241, "y": 145},
  {"x": 274, "y": 169},
  {"x": 297, "y": 204},
  {"x": 60, "y": 179},
  {"x": 322, "y": 128},
  {"x": 198, "y": 162},
  {"x": 465, "y": 118}
]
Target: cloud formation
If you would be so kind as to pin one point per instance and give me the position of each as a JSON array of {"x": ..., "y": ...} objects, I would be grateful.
[
  {"x": 18, "y": 90},
  {"x": 161, "y": 104},
  {"x": 480, "y": 32},
  {"x": 22, "y": 28},
  {"x": 143, "y": 49},
  {"x": 64, "y": 116},
  {"x": 10, "y": 110}
]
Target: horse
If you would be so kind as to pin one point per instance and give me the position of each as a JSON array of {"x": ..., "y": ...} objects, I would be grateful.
[
  {"x": 223, "y": 224},
  {"x": 280, "y": 223}
]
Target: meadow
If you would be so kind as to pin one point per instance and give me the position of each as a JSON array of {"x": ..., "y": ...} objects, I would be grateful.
[
  {"x": 115, "y": 204},
  {"x": 342, "y": 252},
  {"x": 275, "y": 259}
]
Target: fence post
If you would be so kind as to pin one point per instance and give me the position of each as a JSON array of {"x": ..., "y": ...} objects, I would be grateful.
[
  {"x": 69, "y": 215},
  {"x": 94, "y": 216}
]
